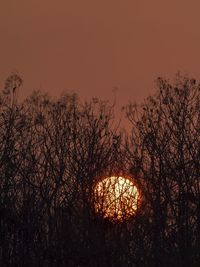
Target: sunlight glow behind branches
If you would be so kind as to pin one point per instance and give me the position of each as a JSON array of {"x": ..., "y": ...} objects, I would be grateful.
[{"x": 116, "y": 198}]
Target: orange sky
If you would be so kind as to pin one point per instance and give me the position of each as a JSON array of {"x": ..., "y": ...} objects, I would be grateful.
[{"x": 91, "y": 46}]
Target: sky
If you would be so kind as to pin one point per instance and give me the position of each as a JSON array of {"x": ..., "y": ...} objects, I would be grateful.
[{"x": 93, "y": 47}]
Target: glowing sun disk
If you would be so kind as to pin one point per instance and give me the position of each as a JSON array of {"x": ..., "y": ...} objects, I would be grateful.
[{"x": 116, "y": 198}]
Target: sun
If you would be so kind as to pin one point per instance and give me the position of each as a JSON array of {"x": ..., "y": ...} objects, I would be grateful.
[{"x": 116, "y": 198}]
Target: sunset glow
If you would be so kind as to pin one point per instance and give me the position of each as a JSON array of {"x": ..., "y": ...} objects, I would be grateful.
[{"x": 116, "y": 198}]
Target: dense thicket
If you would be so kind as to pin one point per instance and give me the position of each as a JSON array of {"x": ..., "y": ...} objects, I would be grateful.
[{"x": 53, "y": 151}]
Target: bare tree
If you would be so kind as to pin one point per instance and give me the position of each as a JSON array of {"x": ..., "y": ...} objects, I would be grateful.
[
  {"x": 54, "y": 152},
  {"x": 164, "y": 156}
]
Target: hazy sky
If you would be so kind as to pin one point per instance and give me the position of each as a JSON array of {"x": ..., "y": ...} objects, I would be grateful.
[{"x": 91, "y": 46}]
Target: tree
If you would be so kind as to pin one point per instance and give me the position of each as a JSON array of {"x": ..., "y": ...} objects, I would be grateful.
[
  {"x": 164, "y": 155},
  {"x": 53, "y": 153}
]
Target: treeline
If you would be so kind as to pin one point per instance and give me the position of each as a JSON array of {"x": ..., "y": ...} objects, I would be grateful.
[{"x": 53, "y": 151}]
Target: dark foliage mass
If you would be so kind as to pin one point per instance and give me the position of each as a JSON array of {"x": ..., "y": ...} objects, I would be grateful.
[{"x": 53, "y": 151}]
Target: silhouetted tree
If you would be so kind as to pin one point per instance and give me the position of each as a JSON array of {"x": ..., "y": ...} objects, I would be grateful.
[
  {"x": 164, "y": 155},
  {"x": 52, "y": 154}
]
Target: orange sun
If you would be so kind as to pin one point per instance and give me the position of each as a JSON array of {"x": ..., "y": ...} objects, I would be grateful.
[{"x": 116, "y": 198}]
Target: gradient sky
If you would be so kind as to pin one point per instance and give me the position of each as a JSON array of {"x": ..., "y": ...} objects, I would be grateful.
[{"x": 92, "y": 46}]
